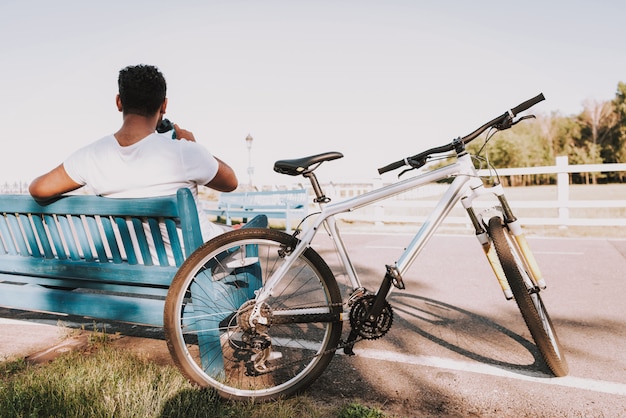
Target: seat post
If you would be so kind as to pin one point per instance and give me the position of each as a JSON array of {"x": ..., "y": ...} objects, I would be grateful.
[{"x": 317, "y": 189}]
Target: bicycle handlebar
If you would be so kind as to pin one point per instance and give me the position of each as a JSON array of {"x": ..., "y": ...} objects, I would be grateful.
[{"x": 501, "y": 122}]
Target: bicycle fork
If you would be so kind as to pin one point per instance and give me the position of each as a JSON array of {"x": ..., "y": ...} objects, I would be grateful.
[{"x": 511, "y": 222}]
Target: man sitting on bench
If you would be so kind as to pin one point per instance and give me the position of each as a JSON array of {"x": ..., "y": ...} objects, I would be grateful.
[{"x": 136, "y": 161}]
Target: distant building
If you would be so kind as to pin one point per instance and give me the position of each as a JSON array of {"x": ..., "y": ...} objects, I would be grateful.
[{"x": 16, "y": 187}]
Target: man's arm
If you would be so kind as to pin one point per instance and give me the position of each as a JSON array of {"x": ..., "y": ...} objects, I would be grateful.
[
  {"x": 52, "y": 184},
  {"x": 225, "y": 180}
]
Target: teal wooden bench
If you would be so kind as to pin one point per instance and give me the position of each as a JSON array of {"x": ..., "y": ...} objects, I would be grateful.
[
  {"x": 91, "y": 256},
  {"x": 289, "y": 205}
]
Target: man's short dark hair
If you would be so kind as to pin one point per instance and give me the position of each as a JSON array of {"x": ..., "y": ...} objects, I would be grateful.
[{"x": 142, "y": 89}]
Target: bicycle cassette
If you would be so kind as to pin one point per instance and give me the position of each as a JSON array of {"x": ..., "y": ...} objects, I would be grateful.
[{"x": 370, "y": 328}]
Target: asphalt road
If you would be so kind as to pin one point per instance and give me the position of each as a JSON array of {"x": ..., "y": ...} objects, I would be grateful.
[{"x": 458, "y": 348}]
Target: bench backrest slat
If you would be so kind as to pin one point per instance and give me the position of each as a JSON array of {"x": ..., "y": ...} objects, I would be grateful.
[
  {"x": 7, "y": 240},
  {"x": 107, "y": 227},
  {"x": 29, "y": 235},
  {"x": 175, "y": 244},
  {"x": 43, "y": 237},
  {"x": 127, "y": 241},
  {"x": 96, "y": 236},
  {"x": 68, "y": 237},
  {"x": 82, "y": 239},
  {"x": 158, "y": 239},
  {"x": 53, "y": 229},
  {"x": 192, "y": 235},
  {"x": 142, "y": 242},
  {"x": 18, "y": 238}
]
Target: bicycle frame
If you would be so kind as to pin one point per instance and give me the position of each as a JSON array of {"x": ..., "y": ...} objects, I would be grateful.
[{"x": 466, "y": 186}]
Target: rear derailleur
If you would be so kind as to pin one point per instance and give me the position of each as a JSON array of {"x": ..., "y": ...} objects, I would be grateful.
[{"x": 253, "y": 345}]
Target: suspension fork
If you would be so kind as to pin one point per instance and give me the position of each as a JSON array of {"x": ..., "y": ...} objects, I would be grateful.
[
  {"x": 482, "y": 235},
  {"x": 512, "y": 223},
  {"x": 490, "y": 251},
  {"x": 515, "y": 227}
]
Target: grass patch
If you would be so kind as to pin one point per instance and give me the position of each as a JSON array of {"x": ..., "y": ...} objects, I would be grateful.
[
  {"x": 355, "y": 410},
  {"x": 105, "y": 381}
]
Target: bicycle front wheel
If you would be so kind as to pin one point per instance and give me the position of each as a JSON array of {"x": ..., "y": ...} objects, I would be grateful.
[
  {"x": 207, "y": 312},
  {"x": 527, "y": 297}
]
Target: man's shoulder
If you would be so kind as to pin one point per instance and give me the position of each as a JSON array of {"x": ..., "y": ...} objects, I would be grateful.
[
  {"x": 95, "y": 146},
  {"x": 107, "y": 140}
]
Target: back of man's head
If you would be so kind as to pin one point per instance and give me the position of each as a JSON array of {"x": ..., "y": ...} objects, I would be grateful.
[{"x": 142, "y": 89}]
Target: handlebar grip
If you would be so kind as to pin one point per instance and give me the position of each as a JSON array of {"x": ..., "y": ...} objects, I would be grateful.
[
  {"x": 392, "y": 166},
  {"x": 527, "y": 104}
]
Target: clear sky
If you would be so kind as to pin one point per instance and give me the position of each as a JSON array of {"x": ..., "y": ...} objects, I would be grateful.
[{"x": 375, "y": 80}]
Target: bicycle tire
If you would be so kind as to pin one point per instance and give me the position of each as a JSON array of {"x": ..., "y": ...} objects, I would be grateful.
[
  {"x": 203, "y": 326},
  {"x": 529, "y": 301}
]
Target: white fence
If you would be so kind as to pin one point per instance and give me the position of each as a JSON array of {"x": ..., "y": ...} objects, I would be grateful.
[{"x": 388, "y": 211}]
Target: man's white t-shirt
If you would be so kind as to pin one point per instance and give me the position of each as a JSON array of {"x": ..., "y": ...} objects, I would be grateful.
[{"x": 154, "y": 166}]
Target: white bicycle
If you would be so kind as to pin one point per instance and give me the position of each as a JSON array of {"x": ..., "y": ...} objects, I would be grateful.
[{"x": 257, "y": 313}]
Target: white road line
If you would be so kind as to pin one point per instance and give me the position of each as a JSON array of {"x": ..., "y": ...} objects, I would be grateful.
[{"x": 537, "y": 377}]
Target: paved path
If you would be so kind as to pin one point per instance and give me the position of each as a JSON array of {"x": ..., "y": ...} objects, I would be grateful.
[{"x": 457, "y": 347}]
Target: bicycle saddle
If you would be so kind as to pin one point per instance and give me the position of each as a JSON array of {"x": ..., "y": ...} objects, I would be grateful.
[{"x": 301, "y": 165}]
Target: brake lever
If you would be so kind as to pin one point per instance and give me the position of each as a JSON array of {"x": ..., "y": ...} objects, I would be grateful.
[
  {"x": 415, "y": 164},
  {"x": 523, "y": 118},
  {"x": 405, "y": 171},
  {"x": 509, "y": 122}
]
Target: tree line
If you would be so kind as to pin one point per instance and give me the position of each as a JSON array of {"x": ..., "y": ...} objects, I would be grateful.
[{"x": 595, "y": 136}]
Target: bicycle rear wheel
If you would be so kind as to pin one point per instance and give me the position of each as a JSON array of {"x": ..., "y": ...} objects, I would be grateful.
[
  {"x": 207, "y": 309},
  {"x": 527, "y": 297}
]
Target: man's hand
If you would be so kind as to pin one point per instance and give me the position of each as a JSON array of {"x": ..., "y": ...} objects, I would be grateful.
[{"x": 183, "y": 134}]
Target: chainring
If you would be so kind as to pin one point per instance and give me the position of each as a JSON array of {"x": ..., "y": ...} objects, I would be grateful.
[{"x": 368, "y": 328}]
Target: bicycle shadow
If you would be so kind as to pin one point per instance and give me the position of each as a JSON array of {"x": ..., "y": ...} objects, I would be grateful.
[{"x": 468, "y": 334}]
